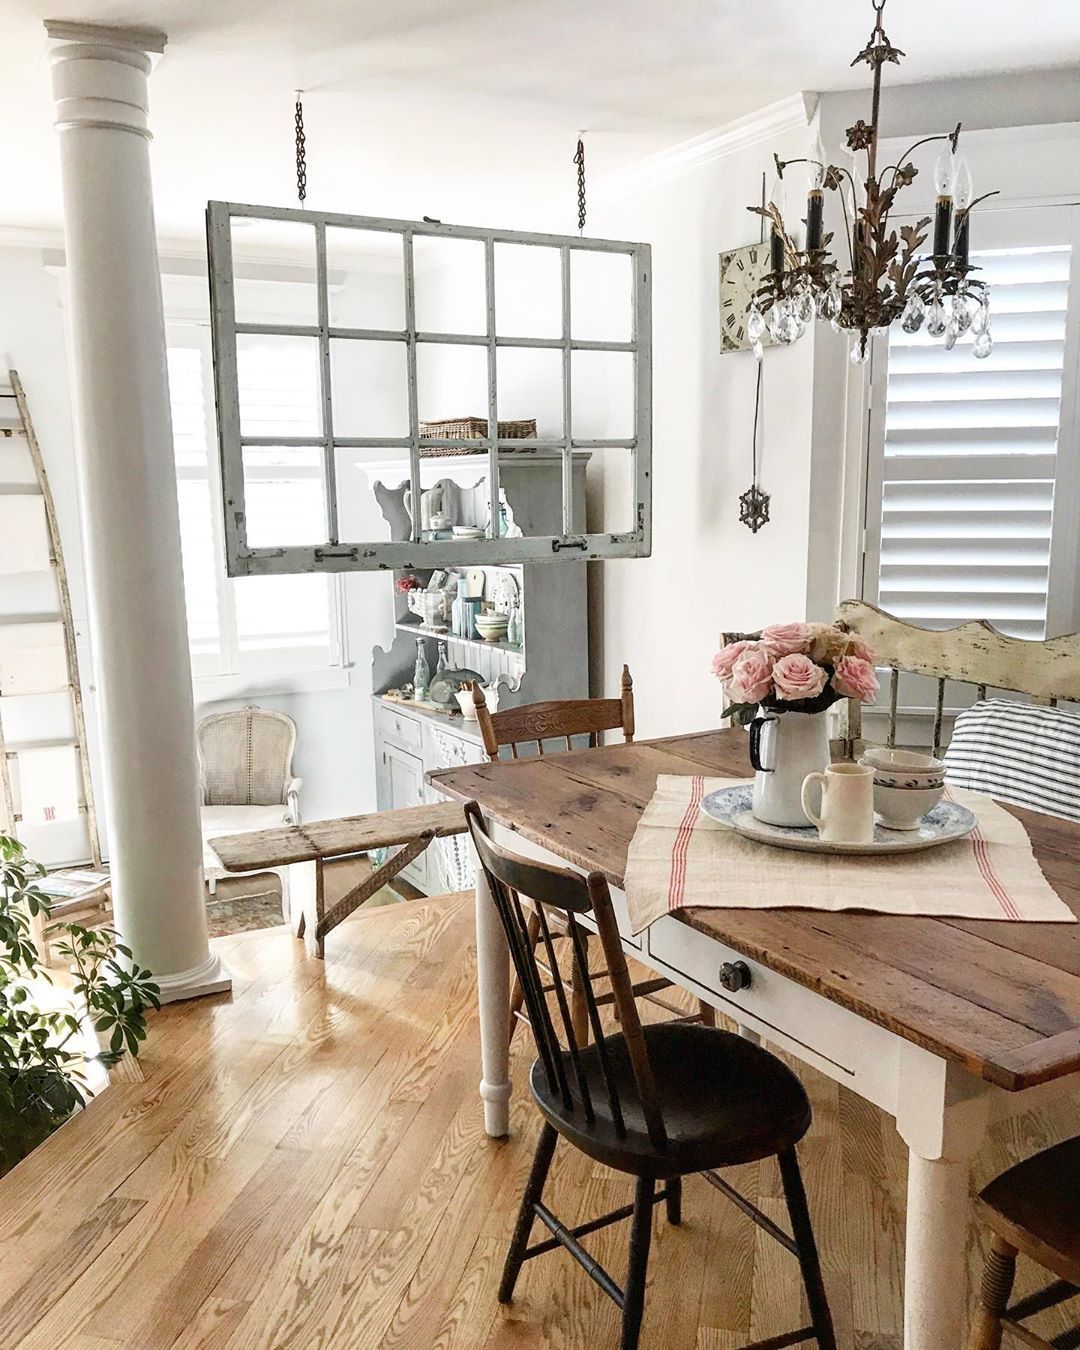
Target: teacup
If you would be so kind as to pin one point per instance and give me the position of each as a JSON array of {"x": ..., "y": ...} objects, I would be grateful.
[
  {"x": 903, "y": 768},
  {"x": 902, "y": 808}
]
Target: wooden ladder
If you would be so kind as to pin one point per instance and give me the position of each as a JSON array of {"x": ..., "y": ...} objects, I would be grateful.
[{"x": 38, "y": 656}]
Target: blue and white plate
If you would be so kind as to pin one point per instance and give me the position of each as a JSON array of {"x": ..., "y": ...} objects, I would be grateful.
[{"x": 731, "y": 806}]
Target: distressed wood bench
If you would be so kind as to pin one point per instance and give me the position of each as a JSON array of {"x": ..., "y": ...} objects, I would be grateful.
[{"x": 306, "y": 849}]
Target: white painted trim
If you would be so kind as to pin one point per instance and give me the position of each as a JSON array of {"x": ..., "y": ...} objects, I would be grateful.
[
  {"x": 265, "y": 684},
  {"x": 991, "y": 136},
  {"x": 105, "y": 35},
  {"x": 208, "y": 977},
  {"x": 789, "y": 114}
]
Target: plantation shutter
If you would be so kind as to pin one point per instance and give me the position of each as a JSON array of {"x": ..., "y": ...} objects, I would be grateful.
[{"x": 964, "y": 486}]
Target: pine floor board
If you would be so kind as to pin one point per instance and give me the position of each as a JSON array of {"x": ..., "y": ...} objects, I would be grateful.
[{"x": 303, "y": 1164}]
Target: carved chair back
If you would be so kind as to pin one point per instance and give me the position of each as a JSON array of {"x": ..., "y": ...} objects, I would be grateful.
[
  {"x": 535, "y": 723},
  {"x": 568, "y": 895},
  {"x": 975, "y": 654},
  {"x": 245, "y": 757}
]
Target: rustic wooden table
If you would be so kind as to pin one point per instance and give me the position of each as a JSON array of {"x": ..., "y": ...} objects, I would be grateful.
[{"x": 947, "y": 1024}]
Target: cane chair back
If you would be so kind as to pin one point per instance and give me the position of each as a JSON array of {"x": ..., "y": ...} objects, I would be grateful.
[
  {"x": 974, "y": 654},
  {"x": 561, "y": 720},
  {"x": 245, "y": 757},
  {"x": 568, "y": 895}
]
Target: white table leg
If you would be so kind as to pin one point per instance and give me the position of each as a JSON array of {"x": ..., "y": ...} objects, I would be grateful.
[
  {"x": 935, "y": 1258},
  {"x": 942, "y": 1116},
  {"x": 493, "y": 992}
]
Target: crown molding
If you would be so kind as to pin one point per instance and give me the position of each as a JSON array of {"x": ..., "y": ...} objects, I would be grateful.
[{"x": 789, "y": 114}]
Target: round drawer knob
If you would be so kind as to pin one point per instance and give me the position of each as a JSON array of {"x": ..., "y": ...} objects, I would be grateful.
[{"x": 735, "y": 975}]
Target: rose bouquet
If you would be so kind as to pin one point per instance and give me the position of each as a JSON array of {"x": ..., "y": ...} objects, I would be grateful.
[{"x": 795, "y": 667}]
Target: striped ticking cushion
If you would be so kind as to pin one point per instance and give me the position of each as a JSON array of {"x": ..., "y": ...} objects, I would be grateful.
[{"x": 1027, "y": 754}]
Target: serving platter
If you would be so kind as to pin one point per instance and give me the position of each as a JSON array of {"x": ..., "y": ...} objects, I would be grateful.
[{"x": 732, "y": 807}]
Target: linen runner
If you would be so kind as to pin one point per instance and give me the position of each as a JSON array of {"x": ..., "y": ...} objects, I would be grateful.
[{"x": 680, "y": 858}]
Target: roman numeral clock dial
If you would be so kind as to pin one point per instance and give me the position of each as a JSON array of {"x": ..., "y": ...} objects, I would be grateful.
[{"x": 741, "y": 273}]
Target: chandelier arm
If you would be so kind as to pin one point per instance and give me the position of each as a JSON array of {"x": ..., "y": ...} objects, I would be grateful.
[
  {"x": 848, "y": 228},
  {"x": 926, "y": 140}
]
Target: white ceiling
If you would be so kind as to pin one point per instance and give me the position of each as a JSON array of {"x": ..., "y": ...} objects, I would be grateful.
[{"x": 467, "y": 109}]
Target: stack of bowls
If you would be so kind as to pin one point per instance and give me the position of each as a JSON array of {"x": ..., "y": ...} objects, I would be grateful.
[
  {"x": 492, "y": 627},
  {"x": 906, "y": 785}
]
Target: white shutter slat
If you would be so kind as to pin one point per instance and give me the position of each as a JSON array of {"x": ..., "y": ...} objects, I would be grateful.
[{"x": 970, "y": 456}]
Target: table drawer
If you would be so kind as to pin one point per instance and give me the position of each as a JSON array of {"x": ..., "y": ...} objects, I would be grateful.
[
  {"x": 398, "y": 728},
  {"x": 844, "y": 1045}
]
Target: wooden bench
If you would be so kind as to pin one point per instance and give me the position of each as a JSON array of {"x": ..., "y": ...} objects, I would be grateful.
[{"x": 306, "y": 849}]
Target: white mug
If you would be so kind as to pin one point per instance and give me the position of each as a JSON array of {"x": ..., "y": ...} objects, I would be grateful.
[{"x": 847, "y": 803}]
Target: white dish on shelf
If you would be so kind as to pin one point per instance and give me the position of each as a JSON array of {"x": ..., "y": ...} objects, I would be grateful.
[{"x": 732, "y": 807}]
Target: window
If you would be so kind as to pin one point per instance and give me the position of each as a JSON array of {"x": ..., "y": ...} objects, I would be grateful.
[
  {"x": 972, "y": 486},
  {"x": 474, "y": 341},
  {"x": 251, "y": 625}
]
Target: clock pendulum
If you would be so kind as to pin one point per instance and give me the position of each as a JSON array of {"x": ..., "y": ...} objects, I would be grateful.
[{"x": 754, "y": 502}]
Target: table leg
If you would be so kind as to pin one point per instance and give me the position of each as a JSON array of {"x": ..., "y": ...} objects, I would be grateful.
[
  {"x": 493, "y": 993},
  {"x": 302, "y": 884},
  {"x": 935, "y": 1257},
  {"x": 942, "y": 1117}
]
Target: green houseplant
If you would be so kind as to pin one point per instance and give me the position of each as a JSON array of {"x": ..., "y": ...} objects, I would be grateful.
[{"x": 42, "y": 1059}]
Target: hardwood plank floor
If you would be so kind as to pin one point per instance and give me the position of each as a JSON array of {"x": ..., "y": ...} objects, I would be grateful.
[{"x": 303, "y": 1164}]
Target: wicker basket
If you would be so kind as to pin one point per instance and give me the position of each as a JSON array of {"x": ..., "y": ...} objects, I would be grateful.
[{"x": 476, "y": 428}]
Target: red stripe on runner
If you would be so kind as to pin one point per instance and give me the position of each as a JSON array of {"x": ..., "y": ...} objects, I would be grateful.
[
  {"x": 986, "y": 869},
  {"x": 677, "y": 881}
]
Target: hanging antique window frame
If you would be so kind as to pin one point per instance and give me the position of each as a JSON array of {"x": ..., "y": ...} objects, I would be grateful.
[{"x": 335, "y": 555}]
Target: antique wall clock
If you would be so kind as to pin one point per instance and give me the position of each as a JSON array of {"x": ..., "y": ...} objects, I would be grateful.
[{"x": 741, "y": 273}]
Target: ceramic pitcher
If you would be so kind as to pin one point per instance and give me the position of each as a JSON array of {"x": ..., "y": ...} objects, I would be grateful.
[{"x": 784, "y": 748}]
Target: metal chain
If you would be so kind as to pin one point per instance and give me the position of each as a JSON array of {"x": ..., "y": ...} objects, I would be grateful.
[
  {"x": 579, "y": 160},
  {"x": 301, "y": 152}
]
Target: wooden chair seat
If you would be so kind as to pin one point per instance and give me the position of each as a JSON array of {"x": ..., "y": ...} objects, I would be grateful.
[
  {"x": 724, "y": 1101},
  {"x": 1033, "y": 1209},
  {"x": 1036, "y": 1206}
]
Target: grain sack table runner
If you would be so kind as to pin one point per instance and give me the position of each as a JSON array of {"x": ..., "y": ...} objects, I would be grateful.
[{"x": 680, "y": 858}]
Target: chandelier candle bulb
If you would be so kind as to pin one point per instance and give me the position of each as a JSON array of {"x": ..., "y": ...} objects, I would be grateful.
[{"x": 815, "y": 213}]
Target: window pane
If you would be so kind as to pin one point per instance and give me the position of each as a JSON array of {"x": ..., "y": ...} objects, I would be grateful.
[
  {"x": 283, "y": 496},
  {"x": 601, "y": 296},
  {"x": 292, "y": 298},
  {"x": 366, "y": 276},
  {"x": 374, "y": 500},
  {"x": 186, "y": 396},
  {"x": 603, "y": 395},
  {"x": 451, "y": 296},
  {"x": 198, "y": 550},
  {"x": 282, "y": 612},
  {"x": 279, "y": 386},
  {"x": 452, "y": 382},
  {"x": 370, "y": 387},
  {"x": 528, "y": 291},
  {"x": 530, "y": 388}
]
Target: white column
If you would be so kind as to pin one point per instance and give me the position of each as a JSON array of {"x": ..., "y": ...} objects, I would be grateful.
[{"x": 129, "y": 506}]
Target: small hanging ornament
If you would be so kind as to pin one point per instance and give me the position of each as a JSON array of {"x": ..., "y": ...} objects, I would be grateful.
[{"x": 754, "y": 502}]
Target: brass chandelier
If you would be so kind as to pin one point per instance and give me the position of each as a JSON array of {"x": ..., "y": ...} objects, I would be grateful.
[{"x": 889, "y": 276}]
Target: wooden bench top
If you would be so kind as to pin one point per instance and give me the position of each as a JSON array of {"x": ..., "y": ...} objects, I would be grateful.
[
  {"x": 334, "y": 838},
  {"x": 1002, "y": 998}
]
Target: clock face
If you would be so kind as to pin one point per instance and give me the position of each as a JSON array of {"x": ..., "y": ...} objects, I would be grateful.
[{"x": 741, "y": 273}]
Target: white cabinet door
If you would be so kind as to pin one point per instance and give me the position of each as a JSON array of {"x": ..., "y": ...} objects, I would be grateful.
[{"x": 404, "y": 778}]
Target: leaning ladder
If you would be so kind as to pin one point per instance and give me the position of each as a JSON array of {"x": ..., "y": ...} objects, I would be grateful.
[{"x": 16, "y": 462}]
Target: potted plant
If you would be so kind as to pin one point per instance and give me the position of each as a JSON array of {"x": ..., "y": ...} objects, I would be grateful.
[
  {"x": 780, "y": 685},
  {"x": 43, "y": 1055}
]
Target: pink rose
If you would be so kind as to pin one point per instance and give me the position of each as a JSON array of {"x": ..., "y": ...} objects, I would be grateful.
[
  {"x": 797, "y": 677},
  {"x": 855, "y": 677},
  {"x": 784, "y": 638},
  {"x": 724, "y": 660},
  {"x": 751, "y": 675}
]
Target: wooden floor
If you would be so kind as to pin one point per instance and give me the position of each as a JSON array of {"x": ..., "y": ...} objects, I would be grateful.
[{"x": 304, "y": 1165}]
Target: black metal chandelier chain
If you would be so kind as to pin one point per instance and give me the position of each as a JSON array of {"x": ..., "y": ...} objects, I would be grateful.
[
  {"x": 301, "y": 151},
  {"x": 579, "y": 160}
]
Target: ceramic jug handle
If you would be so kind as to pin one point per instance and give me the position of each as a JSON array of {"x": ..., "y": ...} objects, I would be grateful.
[
  {"x": 808, "y": 782},
  {"x": 756, "y": 727}
]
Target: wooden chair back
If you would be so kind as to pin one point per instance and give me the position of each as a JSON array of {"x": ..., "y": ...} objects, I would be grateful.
[
  {"x": 569, "y": 895},
  {"x": 534, "y": 723},
  {"x": 975, "y": 653}
]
